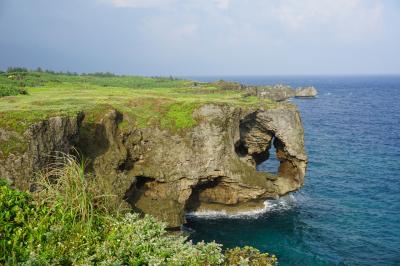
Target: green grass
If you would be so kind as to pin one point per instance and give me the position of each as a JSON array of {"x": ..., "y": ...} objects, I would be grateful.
[
  {"x": 179, "y": 116},
  {"x": 163, "y": 102},
  {"x": 49, "y": 93},
  {"x": 10, "y": 90},
  {"x": 73, "y": 220}
]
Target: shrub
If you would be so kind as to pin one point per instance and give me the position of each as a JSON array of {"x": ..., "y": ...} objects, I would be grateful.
[
  {"x": 249, "y": 256},
  {"x": 22, "y": 224},
  {"x": 11, "y": 90},
  {"x": 16, "y": 69},
  {"x": 227, "y": 85},
  {"x": 61, "y": 224}
]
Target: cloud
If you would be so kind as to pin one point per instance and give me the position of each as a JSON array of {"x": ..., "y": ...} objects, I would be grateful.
[
  {"x": 267, "y": 21},
  {"x": 142, "y": 3},
  {"x": 222, "y": 4},
  {"x": 341, "y": 15}
]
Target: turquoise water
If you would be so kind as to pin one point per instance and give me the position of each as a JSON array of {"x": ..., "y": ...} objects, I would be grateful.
[{"x": 348, "y": 212}]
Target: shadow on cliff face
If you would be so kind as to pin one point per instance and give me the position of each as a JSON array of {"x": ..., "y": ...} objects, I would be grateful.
[
  {"x": 256, "y": 158},
  {"x": 93, "y": 141},
  {"x": 197, "y": 196},
  {"x": 147, "y": 195},
  {"x": 137, "y": 190}
]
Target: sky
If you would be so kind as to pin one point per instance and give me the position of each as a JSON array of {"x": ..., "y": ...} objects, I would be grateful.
[{"x": 202, "y": 37}]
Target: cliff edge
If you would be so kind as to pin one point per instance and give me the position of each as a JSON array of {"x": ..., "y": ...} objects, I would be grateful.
[{"x": 206, "y": 162}]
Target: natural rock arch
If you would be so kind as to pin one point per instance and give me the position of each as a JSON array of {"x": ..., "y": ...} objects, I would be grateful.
[{"x": 214, "y": 161}]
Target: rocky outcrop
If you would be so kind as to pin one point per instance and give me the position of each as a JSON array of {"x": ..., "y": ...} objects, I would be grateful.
[
  {"x": 306, "y": 92},
  {"x": 43, "y": 141},
  {"x": 277, "y": 92},
  {"x": 209, "y": 166}
]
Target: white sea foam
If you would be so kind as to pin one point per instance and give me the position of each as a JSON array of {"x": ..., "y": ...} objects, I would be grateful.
[{"x": 284, "y": 203}]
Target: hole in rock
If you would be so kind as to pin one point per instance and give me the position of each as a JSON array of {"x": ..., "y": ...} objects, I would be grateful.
[
  {"x": 271, "y": 164},
  {"x": 199, "y": 196},
  {"x": 265, "y": 161},
  {"x": 240, "y": 149}
]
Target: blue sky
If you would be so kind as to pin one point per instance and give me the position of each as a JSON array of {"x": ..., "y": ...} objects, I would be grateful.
[{"x": 203, "y": 37}]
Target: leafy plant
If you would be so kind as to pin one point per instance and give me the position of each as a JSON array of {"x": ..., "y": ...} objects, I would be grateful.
[
  {"x": 11, "y": 90},
  {"x": 249, "y": 256},
  {"x": 63, "y": 223},
  {"x": 23, "y": 223}
]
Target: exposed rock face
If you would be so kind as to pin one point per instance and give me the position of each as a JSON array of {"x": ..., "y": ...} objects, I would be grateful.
[
  {"x": 44, "y": 139},
  {"x": 306, "y": 92},
  {"x": 209, "y": 166},
  {"x": 284, "y": 125},
  {"x": 277, "y": 93}
]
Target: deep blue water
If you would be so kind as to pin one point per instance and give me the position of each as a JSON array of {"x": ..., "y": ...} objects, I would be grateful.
[{"x": 348, "y": 212}]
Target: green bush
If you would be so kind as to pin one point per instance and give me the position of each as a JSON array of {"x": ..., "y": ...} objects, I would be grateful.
[
  {"x": 10, "y": 90},
  {"x": 249, "y": 256},
  {"x": 64, "y": 224},
  {"x": 23, "y": 224}
]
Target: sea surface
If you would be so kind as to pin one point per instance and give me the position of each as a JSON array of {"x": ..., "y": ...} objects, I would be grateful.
[{"x": 348, "y": 212}]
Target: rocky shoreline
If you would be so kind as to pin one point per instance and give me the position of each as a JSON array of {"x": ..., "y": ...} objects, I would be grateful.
[{"x": 211, "y": 166}]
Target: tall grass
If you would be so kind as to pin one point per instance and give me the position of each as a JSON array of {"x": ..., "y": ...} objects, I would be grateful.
[
  {"x": 74, "y": 219},
  {"x": 66, "y": 184}
]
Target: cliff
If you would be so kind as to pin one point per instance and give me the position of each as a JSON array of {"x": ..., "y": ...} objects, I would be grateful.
[
  {"x": 206, "y": 161},
  {"x": 276, "y": 92}
]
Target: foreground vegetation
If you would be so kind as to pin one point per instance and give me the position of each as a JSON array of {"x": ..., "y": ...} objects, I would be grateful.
[{"x": 70, "y": 221}]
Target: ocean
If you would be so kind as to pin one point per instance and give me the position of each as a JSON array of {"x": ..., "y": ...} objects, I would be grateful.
[{"x": 348, "y": 212}]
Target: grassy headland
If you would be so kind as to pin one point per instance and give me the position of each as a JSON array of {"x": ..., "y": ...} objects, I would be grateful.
[
  {"x": 27, "y": 97},
  {"x": 71, "y": 219},
  {"x": 167, "y": 102}
]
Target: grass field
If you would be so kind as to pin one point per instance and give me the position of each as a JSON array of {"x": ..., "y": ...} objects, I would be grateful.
[{"x": 166, "y": 102}]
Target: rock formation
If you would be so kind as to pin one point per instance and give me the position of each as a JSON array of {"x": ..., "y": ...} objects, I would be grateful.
[
  {"x": 277, "y": 92},
  {"x": 164, "y": 173},
  {"x": 42, "y": 140},
  {"x": 306, "y": 92}
]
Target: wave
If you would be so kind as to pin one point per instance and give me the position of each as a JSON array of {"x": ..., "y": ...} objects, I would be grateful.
[{"x": 284, "y": 203}]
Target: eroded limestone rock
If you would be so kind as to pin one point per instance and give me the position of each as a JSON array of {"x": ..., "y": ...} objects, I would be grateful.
[
  {"x": 163, "y": 173},
  {"x": 211, "y": 165},
  {"x": 306, "y": 92},
  {"x": 44, "y": 140},
  {"x": 277, "y": 92}
]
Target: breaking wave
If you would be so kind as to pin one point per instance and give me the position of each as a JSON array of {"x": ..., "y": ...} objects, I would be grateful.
[{"x": 284, "y": 203}]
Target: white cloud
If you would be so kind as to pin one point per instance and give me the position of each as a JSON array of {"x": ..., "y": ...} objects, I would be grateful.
[
  {"x": 262, "y": 21},
  {"x": 346, "y": 16}
]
